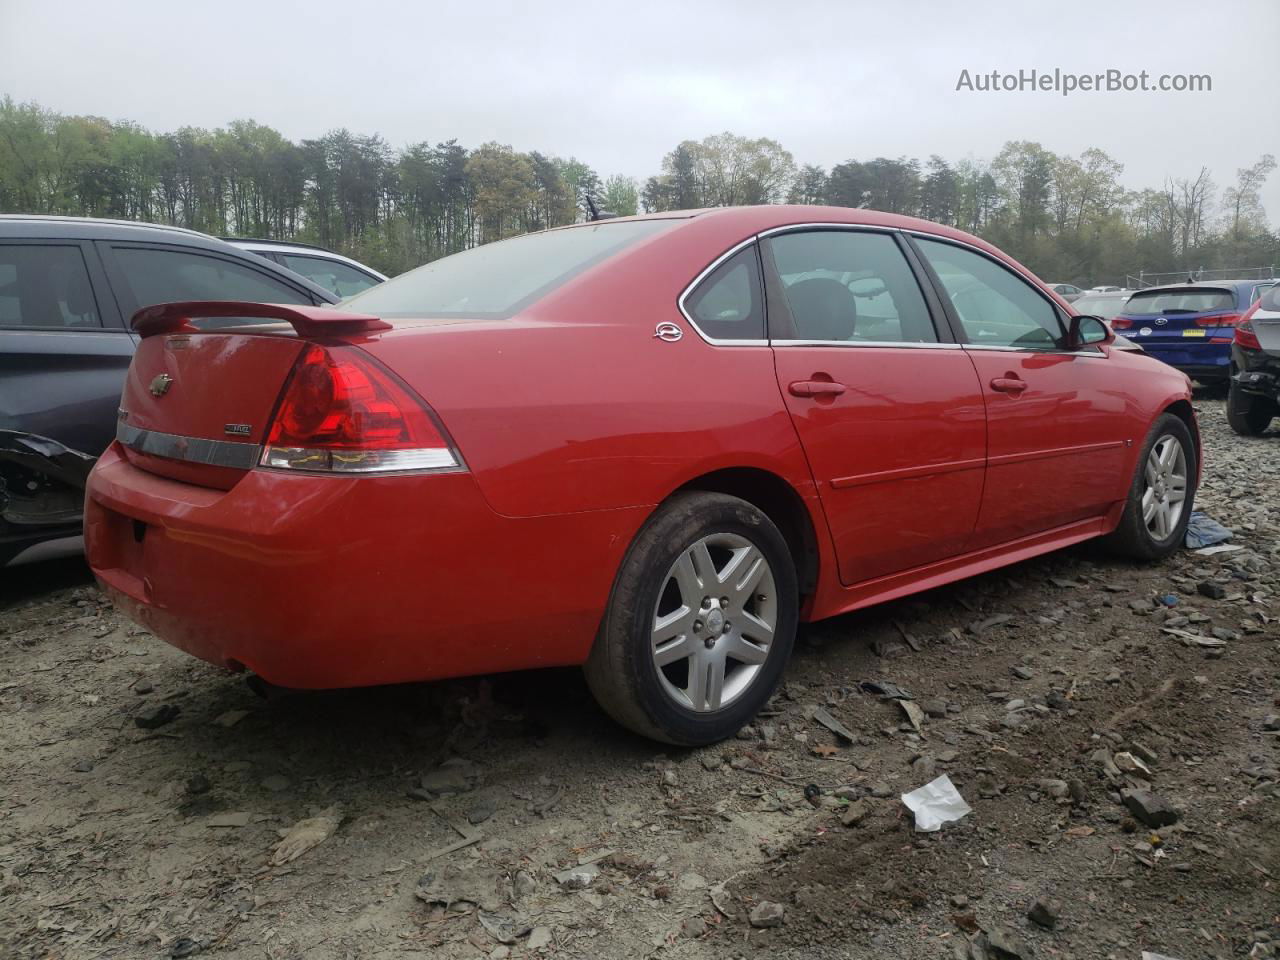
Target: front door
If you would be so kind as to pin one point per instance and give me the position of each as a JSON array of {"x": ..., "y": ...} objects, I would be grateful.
[
  {"x": 1055, "y": 419},
  {"x": 890, "y": 415}
]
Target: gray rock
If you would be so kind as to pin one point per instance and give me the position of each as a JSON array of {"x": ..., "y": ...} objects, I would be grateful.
[
  {"x": 156, "y": 715},
  {"x": 925, "y": 768},
  {"x": 881, "y": 789},
  {"x": 455, "y": 775},
  {"x": 1044, "y": 913},
  {"x": 766, "y": 913},
  {"x": 1271, "y": 722},
  {"x": 1214, "y": 591},
  {"x": 1143, "y": 753},
  {"x": 523, "y": 885},
  {"x": 1149, "y": 808},
  {"x": 83, "y": 766},
  {"x": 578, "y": 878},
  {"x": 1022, "y": 673},
  {"x": 539, "y": 937},
  {"x": 275, "y": 783},
  {"x": 143, "y": 687},
  {"x": 934, "y": 708},
  {"x": 854, "y": 813},
  {"x": 1004, "y": 944},
  {"x": 693, "y": 928},
  {"x": 482, "y": 810},
  {"x": 1055, "y": 788},
  {"x": 1131, "y": 765}
]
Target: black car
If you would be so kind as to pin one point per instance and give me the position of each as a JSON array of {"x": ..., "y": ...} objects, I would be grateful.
[
  {"x": 1253, "y": 398},
  {"x": 68, "y": 287}
]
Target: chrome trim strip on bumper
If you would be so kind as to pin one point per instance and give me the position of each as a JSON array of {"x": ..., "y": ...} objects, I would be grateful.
[{"x": 214, "y": 453}]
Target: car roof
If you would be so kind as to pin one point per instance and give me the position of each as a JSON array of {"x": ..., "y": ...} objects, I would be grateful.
[
  {"x": 47, "y": 227},
  {"x": 773, "y": 216},
  {"x": 267, "y": 242}
]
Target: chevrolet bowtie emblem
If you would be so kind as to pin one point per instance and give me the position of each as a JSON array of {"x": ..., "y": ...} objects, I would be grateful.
[{"x": 160, "y": 385}]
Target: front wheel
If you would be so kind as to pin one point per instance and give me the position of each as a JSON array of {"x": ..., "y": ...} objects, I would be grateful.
[
  {"x": 1248, "y": 414},
  {"x": 700, "y": 623},
  {"x": 1161, "y": 495}
]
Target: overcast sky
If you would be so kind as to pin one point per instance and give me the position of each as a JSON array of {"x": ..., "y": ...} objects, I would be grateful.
[{"x": 618, "y": 85}]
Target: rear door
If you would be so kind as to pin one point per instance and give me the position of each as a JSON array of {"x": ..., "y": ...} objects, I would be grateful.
[
  {"x": 1056, "y": 420},
  {"x": 889, "y": 412},
  {"x": 63, "y": 349}
]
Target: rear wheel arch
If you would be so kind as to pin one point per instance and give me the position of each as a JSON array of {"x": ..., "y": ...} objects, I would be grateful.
[{"x": 780, "y": 502}]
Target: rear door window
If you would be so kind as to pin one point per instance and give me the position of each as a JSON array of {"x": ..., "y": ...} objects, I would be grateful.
[
  {"x": 845, "y": 286},
  {"x": 160, "y": 275},
  {"x": 996, "y": 307},
  {"x": 46, "y": 285}
]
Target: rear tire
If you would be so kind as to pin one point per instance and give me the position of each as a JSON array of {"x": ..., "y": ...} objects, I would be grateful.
[
  {"x": 1161, "y": 495},
  {"x": 700, "y": 623},
  {"x": 1248, "y": 415}
]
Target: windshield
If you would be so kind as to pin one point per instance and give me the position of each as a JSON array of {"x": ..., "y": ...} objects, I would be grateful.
[
  {"x": 499, "y": 279},
  {"x": 1147, "y": 303}
]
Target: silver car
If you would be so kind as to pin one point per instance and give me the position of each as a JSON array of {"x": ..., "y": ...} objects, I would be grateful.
[{"x": 341, "y": 275}]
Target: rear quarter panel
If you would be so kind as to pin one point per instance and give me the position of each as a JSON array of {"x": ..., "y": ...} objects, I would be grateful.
[{"x": 576, "y": 406}]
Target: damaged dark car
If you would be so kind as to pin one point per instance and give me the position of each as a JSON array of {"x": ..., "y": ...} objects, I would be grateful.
[
  {"x": 1253, "y": 398},
  {"x": 67, "y": 288}
]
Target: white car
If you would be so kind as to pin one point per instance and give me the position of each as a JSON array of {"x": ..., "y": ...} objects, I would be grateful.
[{"x": 342, "y": 275}]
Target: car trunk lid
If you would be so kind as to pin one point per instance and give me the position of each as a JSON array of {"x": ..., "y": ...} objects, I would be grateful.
[{"x": 197, "y": 404}]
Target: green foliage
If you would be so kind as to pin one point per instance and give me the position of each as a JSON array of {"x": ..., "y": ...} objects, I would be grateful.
[{"x": 1066, "y": 217}]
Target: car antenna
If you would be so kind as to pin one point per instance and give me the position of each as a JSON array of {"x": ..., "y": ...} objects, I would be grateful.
[{"x": 594, "y": 214}]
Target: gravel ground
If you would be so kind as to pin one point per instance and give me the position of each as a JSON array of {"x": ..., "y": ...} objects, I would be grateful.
[{"x": 442, "y": 820}]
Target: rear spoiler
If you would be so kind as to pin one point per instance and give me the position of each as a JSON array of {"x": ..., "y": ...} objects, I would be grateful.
[{"x": 308, "y": 321}]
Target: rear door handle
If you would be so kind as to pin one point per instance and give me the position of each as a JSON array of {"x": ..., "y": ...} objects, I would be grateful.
[
  {"x": 1014, "y": 385},
  {"x": 816, "y": 388}
]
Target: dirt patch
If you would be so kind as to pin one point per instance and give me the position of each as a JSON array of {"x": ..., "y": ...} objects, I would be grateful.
[{"x": 509, "y": 809}]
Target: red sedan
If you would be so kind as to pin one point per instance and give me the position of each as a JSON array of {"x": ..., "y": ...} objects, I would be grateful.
[{"x": 648, "y": 445}]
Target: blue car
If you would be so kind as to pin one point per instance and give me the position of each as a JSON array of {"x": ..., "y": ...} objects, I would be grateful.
[{"x": 1190, "y": 325}]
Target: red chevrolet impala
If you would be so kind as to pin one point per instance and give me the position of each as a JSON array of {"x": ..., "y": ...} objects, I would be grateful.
[{"x": 647, "y": 445}]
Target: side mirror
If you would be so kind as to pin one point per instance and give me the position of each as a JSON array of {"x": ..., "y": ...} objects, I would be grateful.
[{"x": 1087, "y": 331}]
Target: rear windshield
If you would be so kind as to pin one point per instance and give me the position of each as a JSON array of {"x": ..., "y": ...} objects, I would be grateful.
[
  {"x": 1100, "y": 306},
  {"x": 1147, "y": 303},
  {"x": 500, "y": 279}
]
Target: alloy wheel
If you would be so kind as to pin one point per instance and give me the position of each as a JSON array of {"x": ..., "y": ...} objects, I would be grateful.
[
  {"x": 714, "y": 622},
  {"x": 1165, "y": 488}
]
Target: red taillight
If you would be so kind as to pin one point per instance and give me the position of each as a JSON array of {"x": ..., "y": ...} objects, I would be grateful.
[
  {"x": 1245, "y": 336},
  {"x": 1219, "y": 320},
  {"x": 342, "y": 412},
  {"x": 1121, "y": 323}
]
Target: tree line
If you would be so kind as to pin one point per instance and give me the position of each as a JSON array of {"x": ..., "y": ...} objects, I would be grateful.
[{"x": 1067, "y": 217}]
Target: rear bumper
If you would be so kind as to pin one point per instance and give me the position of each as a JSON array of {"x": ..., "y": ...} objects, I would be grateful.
[
  {"x": 322, "y": 582},
  {"x": 1202, "y": 360},
  {"x": 1199, "y": 360},
  {"x": 1256, "y": 372}
]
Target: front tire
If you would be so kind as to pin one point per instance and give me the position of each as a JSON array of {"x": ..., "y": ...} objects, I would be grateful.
[
  {"x": 1161, "y": 494},
  {"x": 1247, "y": 414},
  {"x": 700, "y": 624}
]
